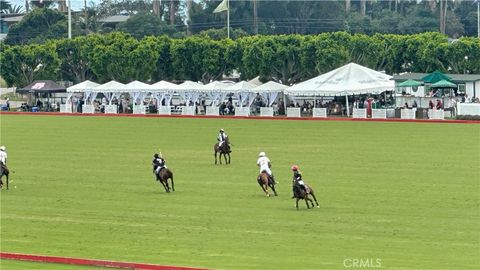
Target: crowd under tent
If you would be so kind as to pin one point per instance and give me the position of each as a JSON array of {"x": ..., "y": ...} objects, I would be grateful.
[
  {"x": 216, "y": 91},
  {"x": 243, "y": 92},
  {"x": 85, "y": 88},
  {"x": 270, "y": 91},
  {"x": 189, "y": 91},
  {"x": 350, "y": 79}
]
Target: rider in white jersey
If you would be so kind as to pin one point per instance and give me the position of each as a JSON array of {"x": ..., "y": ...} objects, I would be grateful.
[{"x": 264, "y": 163}]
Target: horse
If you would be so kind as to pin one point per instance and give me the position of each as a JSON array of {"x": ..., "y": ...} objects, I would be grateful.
[
  {"x": 163, "y": 177},
  {"x": 264, "y": 181},
  {"x": 5, "y": 172},
  {"x": 223, "y": 150},
  {"x": 300, "y": 194}
]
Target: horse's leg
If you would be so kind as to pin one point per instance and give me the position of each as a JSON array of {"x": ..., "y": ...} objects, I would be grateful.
[
  {"x": 7, "y": 181},
  {"x": 173, "y": 187},
  {"x": 164, "y": 186},
  {"x": 228, "y": 157},
  {"x": 273, "y": 188},
  {"x": 306, "y": 201},
  {"x": 264, "y": 190},
  {"x": 296, "y": 203},
  {"x": 315, "y": 198}
]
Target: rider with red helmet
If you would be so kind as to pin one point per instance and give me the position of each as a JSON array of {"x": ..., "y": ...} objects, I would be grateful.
[{"x": 297, "y": 177}]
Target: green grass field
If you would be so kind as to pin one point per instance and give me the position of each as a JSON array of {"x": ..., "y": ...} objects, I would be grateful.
[{"x": 406, "y": 194}]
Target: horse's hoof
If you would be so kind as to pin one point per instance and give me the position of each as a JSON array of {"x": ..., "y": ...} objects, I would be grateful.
[
  {"x": 268, "y": 195},
  {"x": 318, "y": 206}
]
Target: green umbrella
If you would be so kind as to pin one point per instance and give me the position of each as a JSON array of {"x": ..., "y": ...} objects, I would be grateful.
[
  {"x": 444, "y": 84},
  {"x": 435, "y": 77},
  {"x": 410, "y": 83}
]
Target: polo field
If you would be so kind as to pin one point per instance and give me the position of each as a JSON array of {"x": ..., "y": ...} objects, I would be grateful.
[{"x": 392, "y": 195}]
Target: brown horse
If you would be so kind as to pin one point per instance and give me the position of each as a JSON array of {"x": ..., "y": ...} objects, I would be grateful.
[
  {"x": 163, "y": 177},
  {"x": 5, "y": 172},
  {"x": 300, "y": 194},
  {"x": 223, "y": 150},
  {"x": 264, "y": 181}
]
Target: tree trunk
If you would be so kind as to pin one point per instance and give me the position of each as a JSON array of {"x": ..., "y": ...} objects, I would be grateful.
[
  {"x": 156, "y": 7},
  {"x": 363, "y": 7},
  {"x": 189, "y": 7},
  {"x": 172, "y": 12},
  {"x": 348, "y": 5},
  {"x": 443, "y": 13},
  {"x": 62, "y": 5}
]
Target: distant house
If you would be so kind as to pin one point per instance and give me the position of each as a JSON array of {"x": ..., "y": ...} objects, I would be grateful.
[
  {"x": 467, "y": 83},
  {"x": 6, "y": 21},
  {"x": 112, "y": 21}
]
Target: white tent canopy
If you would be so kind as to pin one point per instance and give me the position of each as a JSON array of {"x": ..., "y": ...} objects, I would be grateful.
[
  {"x": 346, "y": 80},
  {"x": 82, "y": 87},
  {"x": 217, "y": 85},
  {"x": 110, "y": 89},
  {"x": 256, "y": 81},
  {"x": 137, "y": 86},
  {"x": 270, "y": 86},
  {"x": 242, "y": 86},
  {"x": 187, "y": 86},
  {"x": 111, "y": 86},
  {"x": 163, "y": 86},
  {"x": 139, "y": 91}
]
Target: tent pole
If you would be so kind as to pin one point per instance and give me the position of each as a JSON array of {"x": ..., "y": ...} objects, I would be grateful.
[
  {"x": 284, "y": 103},
  {"x": 348, "y": 107}
]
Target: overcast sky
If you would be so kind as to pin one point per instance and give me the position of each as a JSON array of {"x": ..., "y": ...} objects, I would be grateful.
[{"x": 76, "y": 4}]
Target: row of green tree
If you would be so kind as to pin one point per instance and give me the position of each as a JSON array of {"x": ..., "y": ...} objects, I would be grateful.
[
  {"x": 284, "y": 58},
  {"x": 180, "y": 18}
]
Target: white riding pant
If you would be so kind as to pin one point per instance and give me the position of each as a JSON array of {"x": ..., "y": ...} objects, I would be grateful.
[
  {"x": 267, "y": 170},
  {"x": 159, "y": 168}
]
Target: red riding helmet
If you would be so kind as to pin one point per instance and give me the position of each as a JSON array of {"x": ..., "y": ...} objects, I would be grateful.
[{"x": 294, "y": 168}]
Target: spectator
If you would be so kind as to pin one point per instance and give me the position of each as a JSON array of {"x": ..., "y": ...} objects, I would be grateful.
[
  {"x": 8, "y": 104},
  {"x": 222, "y": 109},
  {"x": 414, "y": 105},
  {"x": 439, "y": 105},
  {"x": 430, "y": 104},
  {"x": 453, "y": 106}
]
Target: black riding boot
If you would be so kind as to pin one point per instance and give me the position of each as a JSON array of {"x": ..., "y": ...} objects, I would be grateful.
[{"x": 272, "y": 178}]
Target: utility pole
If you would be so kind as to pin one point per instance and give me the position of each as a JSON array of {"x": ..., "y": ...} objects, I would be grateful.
[
  {"x": 86, "y": 16},
  {"x": 255, "y": 15},
  {"x": 189, "y": 7},
  {"x": 478, "y": 18},
  {"x": 69, "y": 19}
]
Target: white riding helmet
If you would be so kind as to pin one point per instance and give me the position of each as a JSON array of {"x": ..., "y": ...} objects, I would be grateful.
[
  {"x": 262, "y": 154},
  {"x": 221, "y": 130},
  {"x": 2, "y": 148}
]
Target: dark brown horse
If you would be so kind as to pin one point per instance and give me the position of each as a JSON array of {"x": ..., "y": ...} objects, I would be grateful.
[
  {"x": 222, "y": 150},
  {"x": 300, "y": 194},
  {"x": 265, "y": 181},
  {"x": 6, "y": 173},
  {"x": 163, "y": 177}
]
